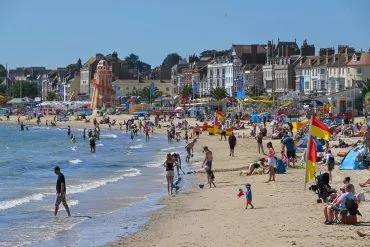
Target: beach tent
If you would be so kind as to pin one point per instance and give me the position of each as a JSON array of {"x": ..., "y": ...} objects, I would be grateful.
[
  {"x": 351, "y": 162},
  {"x": 255, "y": 118},
  {"x": 302, "y": 144}
]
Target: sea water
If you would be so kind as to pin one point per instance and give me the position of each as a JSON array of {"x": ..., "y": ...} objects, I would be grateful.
[{"x": 110, "y": 192}]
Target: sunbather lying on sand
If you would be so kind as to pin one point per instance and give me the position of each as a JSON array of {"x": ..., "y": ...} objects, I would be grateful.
[{"x": 363, "y": 234}]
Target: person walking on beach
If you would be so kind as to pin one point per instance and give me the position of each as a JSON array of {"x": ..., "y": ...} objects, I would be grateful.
[
  {"x": 169, "y": 164},
  {"x": 223, "y": 131},
  {"x": 19, "y": 120},
  {"x": 288, "y": 146},
  {"x": 259, "y": 139},
  {"x": 189, "y": 149},
  {"x": 207, "y": 163},
  {"x": 61, "y": 192},
  {"x": 271, "y": 160},
  {"x": 232, "y": 143}
]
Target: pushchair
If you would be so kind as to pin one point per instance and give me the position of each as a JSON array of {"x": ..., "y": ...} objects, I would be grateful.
[{"x": 322, "y": 187}]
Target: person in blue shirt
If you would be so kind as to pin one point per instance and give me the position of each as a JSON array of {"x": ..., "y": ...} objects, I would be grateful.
[
  {"x": 288, "y": 146},
  {"x": 248, "y": 196}
]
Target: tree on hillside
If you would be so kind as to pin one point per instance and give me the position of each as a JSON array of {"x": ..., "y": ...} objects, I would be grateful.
[
  {"x": 187, "y": 89},
  {"x": 132, "y": 60},
  {"x": 29, "y": 89},
  {"x": 171, "y": 59},
  {"x": 51, "y": 96},
  {"x": 2, "y": 89},
  {"x": 144, "y": 93},
  {"x": 2, "y": 71},
  {"x": 366, "y": 87},
  {"x": 211, "y": 53},
  {"x": 218, "y": 93},
  {"x": 79, "y": 63}
]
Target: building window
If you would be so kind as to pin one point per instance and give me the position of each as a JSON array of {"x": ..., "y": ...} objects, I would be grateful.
[
  {"x": 359, "y": 71},
  {"x": 167, "y": 89},
  {"x": 223, "y": 71},
  {"x": 322, "y": 85},
  {"x": 218, "y": 82},
  {"x": 223, "y": 82},
  {"x": 127, "y": 88},
  {"x": 218, "y": 72},
  {"x": 306, "y": 85},
  {"x": 314, "y": 85}
]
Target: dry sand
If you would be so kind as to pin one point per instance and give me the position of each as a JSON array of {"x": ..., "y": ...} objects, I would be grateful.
[{"x": 285, "y": 214}]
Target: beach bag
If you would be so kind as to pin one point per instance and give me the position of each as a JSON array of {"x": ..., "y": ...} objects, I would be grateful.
[{"x": 280, "y": 167}]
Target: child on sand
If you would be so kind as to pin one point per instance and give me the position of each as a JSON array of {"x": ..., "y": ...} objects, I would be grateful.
[
  {"x": 271, "y": 160},
  {"x": 248, "y": 196}
]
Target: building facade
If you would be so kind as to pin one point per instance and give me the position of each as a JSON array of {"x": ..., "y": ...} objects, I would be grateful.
[
  {"x": 279, "y": 76},
  {"x": 358, "y": 68}
]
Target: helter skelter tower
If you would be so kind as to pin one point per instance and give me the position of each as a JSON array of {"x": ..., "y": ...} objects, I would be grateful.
[{"x": 104, "y": 93}]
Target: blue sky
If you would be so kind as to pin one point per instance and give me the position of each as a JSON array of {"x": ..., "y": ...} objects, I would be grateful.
[{"x": 57, "y": 33}]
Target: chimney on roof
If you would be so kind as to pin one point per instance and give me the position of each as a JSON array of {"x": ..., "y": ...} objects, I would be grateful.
[
  {"x": 326, "y": 58},
  {"x": 287, "y": 51},
  {"x": 334, "y": 58}
]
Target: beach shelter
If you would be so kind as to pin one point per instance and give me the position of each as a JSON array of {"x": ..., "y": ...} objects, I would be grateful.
[
  {"x": 302, "y": 144},
  {"x": 150, "y": 123},
  {"x": 352, "y": 161},
  {"x": 255, "y": 118}
]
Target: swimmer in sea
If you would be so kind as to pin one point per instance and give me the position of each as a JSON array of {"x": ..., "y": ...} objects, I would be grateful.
[
  {"x": 69, "y": 130},
  {"x": 92, "y": 144},
  {"x": 84, "y": 134},
  {"x": 73, "y": 138},
  {"x": 22, "y": 126}
]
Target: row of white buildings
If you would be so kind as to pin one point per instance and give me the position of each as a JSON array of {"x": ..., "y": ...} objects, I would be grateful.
[{"x": 282, "y": 69}]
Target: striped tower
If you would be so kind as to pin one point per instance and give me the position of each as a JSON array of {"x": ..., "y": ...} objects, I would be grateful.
[{"x": 104, "y": 93}]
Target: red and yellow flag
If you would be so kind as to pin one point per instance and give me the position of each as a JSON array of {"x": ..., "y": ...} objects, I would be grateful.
[
  {"x": 219, "y": 115},
  {"x": 320, "y": 130},
  {"x": 311, "y": 160}
]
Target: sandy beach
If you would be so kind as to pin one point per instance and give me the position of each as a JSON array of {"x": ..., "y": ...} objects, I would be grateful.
[{"x": 285, "y": 214}]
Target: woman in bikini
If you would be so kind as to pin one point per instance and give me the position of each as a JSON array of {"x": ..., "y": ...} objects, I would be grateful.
[{"x": 169, "y": 164}]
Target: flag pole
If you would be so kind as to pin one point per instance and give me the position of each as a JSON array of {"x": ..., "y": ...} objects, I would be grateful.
[{"x": 307, "y": 151}]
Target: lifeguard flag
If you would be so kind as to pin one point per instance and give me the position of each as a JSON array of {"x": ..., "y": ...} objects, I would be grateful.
[
  {"x": 219, "y": 115},
  {"x": 320, "y": 130},
  {"x": 311, "y": 161}
]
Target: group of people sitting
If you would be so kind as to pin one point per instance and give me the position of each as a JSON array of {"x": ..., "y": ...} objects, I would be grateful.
[{"x": 343, "y": 206}]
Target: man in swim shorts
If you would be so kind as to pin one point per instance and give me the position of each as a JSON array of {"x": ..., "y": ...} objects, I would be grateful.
[
  {"x": 207, "y": 163},
  {"x": 189, "y": 149},
  {"x": 61, "y": 192}
]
